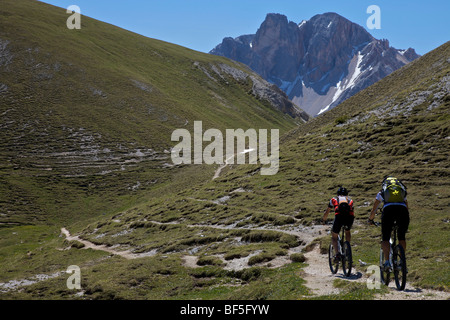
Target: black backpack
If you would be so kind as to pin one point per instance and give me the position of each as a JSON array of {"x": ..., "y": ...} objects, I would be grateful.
[{"x": 343, "y": 205}]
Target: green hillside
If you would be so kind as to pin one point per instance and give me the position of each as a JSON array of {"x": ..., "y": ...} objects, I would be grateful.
[
  {"x": 88, "y": 114},
  {"x": 180, "y": 234},
  {"x": 86, "y": 121}
]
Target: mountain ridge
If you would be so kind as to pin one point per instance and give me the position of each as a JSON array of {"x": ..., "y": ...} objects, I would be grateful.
[{"x": 319, "y": 62}]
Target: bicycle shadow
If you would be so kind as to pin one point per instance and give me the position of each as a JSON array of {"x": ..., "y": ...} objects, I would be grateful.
[
  {"x": 353, "y": 276},
  {"x": 408, "y": 290}
]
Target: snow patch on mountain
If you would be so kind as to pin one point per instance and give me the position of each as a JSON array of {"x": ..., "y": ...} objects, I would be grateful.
[{"x": 348, "y": 82}]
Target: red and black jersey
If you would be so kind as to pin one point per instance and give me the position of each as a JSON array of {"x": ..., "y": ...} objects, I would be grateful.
[{"x": 334, "y": 203}]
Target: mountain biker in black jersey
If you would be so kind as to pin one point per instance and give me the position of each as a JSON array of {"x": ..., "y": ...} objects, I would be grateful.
[
  {"x": 344, "y": 217},
  {"x": 395, "y": 209}
]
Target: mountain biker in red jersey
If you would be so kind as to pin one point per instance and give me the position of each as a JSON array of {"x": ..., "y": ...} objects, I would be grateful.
[{"x": 343, "y": 216}]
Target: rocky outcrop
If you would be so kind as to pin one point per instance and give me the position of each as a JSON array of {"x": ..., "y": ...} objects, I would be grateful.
[{"x": 260, "y": 88}]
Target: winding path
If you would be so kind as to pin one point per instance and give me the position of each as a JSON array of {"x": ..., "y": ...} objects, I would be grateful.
[
  {"x": 317, "y": 273},
  {"x": 127, "y": 254}
]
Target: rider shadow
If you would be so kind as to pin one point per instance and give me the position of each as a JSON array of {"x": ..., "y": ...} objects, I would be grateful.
[
  {"x": 353, "y": 276},
  {"x": 414, "y": 290}
]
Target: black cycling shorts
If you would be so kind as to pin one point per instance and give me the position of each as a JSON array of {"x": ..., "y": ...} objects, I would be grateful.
[
  {"x": 393, "y": 213},
  {"x": 340, "y": 220}
]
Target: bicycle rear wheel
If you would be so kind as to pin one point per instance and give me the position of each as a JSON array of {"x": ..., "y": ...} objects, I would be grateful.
[
  {"x": 347, "y": 259},
  {"x": 399, "y": 265},
  {"x": 331, "y": 255}
]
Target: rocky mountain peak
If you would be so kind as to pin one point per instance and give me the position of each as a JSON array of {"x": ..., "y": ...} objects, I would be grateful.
[{"x": 318, "y": 62}]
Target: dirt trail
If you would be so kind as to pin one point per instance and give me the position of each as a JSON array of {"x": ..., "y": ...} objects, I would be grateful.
[
  {"x": 219, "y": 170},
  {"x": 320, "y": 280},
  {"x": 317, "y": 273},
  {"x": 305, "y": 234},
  {"x": 127, "y": 254},
  {"x": 227, "y": 160}
]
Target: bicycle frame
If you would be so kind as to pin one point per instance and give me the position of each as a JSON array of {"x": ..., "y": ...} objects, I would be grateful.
[
  {"x": 392, "y": 244},
  {"x": 398, "y": 262},
  {"x": 341, "y": 239},
  {"x": 344, "y": 249}
]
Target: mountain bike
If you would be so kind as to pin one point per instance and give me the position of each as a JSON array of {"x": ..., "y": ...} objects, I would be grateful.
[
  {"x": 345, "y": 251},
  {"x": 398, "y": 263}
]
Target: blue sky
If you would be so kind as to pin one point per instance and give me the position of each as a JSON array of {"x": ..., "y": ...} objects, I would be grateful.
[{"x": 202, "y": 24}]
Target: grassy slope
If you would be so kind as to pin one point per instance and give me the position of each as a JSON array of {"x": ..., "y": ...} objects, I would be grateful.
[
  {"x": 86, "y": 118},
  {"x": 80, "y": 103},
  {"x": 398, "y": 126}
]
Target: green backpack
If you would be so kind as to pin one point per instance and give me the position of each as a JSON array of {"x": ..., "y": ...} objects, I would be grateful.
[{"x": 393, "y": 190}]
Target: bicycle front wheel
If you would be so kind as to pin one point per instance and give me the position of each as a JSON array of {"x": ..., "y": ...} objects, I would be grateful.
[
  {"x": 334, "y": 265},
  {"x": 347, "y": 259},
  {"x": 385, "y": 274},
  {"x": 399, "y": 264}
]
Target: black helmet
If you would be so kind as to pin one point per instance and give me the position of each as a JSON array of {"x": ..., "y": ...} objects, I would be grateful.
[{"x": 342, "y": 191}]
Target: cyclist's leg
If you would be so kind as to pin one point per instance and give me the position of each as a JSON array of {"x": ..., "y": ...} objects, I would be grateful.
[
  {"x": 334, "y": 241},
  {"x": 387, "y": 222},
  {"x": 348, "y": 236},
  {"x": 348, "y": 226},
  {"x": 337, "y": 225},
  {"x": 403, "y": 224}
]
